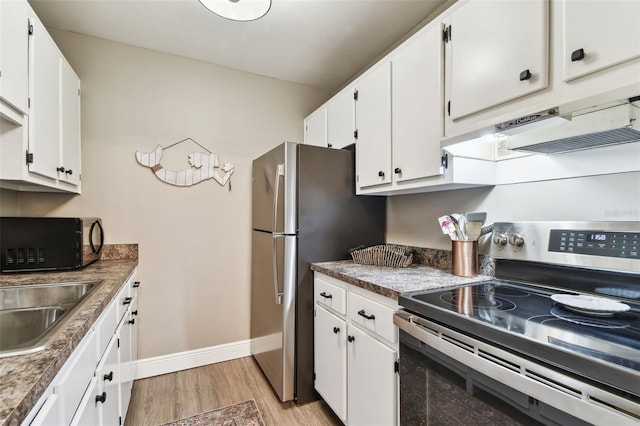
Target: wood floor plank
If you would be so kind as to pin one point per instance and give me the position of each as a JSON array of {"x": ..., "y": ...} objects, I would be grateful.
[{"x": 161, "y": 399}]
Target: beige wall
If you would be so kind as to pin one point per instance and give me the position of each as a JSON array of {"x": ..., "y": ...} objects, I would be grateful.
[
  {"x": 9, "y": 203},
  {"x": 194, "y": 242},
  {"x": 412, "y": 219}
]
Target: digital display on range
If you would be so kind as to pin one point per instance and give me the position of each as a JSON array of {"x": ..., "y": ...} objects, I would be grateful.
[{"x": 596, "y": 243}]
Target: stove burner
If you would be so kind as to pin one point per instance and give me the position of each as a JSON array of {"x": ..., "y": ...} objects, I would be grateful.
[
  {"x": 464, "y": 300},
  {"x": 512, "y": 292},
  {"x": 588, "y": 321}
]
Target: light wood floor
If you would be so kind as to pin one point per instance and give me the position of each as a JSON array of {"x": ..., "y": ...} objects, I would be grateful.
[{"x": 173, "y": 396}]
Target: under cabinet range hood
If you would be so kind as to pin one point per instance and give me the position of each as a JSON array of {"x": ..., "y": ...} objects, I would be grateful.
[{"x": 604, "y": 125}]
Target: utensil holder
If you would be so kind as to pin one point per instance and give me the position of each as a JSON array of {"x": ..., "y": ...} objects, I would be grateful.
[{"x": 465, "y": 258}]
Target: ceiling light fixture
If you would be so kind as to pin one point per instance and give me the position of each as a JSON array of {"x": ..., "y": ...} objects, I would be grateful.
[{"x": 238, "y": 10}]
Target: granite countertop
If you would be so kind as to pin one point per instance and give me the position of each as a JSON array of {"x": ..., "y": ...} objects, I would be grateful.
[
  {"x": 24, "y": 378},
  {"x": 392, "y": 282}
]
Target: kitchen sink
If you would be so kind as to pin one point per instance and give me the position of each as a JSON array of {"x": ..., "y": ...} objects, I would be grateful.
[{"x": 31, "y": 315}]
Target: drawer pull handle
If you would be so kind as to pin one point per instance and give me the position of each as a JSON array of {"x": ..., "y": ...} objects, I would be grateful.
[
  {"x": 577, "y": 55},
  {"x": 336, "y": 330},
  {"x": 126, "y": 301},
  {"x": 101, "y": 398},
  {"x": 362, "y": 313},
  {"x": 325, "y": 295},
  {"x": 134, "y": 312},
  {"x": 136, "y": 284},
  {"x": 108, "y": 377},
  {"x": 351, "y": 338}
]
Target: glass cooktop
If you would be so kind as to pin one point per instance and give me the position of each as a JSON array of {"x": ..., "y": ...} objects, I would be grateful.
[{"x": 503, "y": 312}]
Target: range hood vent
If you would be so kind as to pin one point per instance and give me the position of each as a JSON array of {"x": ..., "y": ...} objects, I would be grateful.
[{"x": 611, "y": 124}]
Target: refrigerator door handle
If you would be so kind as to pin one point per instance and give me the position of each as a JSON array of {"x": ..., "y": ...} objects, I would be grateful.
[
  {"x": 276, "y": 280},
  {"x": 276, "y": 197}
]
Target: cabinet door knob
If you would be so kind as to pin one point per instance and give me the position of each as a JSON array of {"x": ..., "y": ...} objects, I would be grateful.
[
  {"x": 397, "y": 170},
  {"x": 336, "y": 330},
  {"x": 577, "y": 55},
  {"x": 108, "y": 377},
  {"x": 362, "y": 313},
  {"x": 136, "y": 284},
  {"x": 351, "y": 338},
  {"x": 329, "y": 145},
  {"x": 325, "y": 295},
  {"x": 101, "y": 398},
  {"x": 381, "y": 173},
  {"x": 132, "y": 321},
  {"x": 134, "y": 312},
  {"x": 126, "y": 301},
  {"x": 60, "y": 169},
  {"x": 525, "y": 75},
  {"x": 69, "y": 172}
]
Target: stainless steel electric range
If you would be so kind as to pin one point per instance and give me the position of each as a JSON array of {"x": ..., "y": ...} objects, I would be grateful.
[{"x": 554, "y": 339}]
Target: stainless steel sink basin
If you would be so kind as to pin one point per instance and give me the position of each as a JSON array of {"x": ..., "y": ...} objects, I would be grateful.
[{"x": 30, "y": 315}]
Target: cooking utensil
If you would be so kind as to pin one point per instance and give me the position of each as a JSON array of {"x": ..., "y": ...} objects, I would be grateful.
[
  {"x": 448, "y": 226},
  {"x": 459, "y": 221},
  {"x": 473, "y": 229},
  {"x": 476, "y": 217}
]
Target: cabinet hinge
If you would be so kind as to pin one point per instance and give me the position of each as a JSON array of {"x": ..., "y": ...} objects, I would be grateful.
[
  {"x": 118, "y": 342},
  {"x": 314, "y": 376},
  {"x": 30, "y": 28},
  {"x": 446, "y": 34},
  {"x": 355, "y": 95},
  {"x": 120, "y": 420},
  {"x": 396, "y": 367},
  {"x": 449, "y": 108},
  {"x": 29, "y": 157},
  {"x": 444, "y": 161},
  {"x": 28, "y": 102},
  {"x": 355, "y": 134}
]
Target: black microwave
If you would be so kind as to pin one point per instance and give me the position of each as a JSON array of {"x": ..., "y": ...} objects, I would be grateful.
[{"x": 49, "y": 243}]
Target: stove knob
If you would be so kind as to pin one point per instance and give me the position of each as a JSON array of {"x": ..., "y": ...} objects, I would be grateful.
[
  {"x": 516, "y": 240},
  {"x": 500, "y": 240}
]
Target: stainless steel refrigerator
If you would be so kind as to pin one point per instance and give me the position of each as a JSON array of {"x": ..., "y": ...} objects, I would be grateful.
[{"x": 304, "y": 211}]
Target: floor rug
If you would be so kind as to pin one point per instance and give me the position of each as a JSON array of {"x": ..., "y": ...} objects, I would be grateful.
[{"x": 241, "y": 414}]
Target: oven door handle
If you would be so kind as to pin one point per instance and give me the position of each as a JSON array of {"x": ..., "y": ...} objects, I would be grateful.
[{"x": 413, "y": 325}]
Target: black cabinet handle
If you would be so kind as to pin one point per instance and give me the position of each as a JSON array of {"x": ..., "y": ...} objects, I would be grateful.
[
  {"x": 132, "y": 321},
  {"x": 109, "y": 376},
  {"x": 381, "y": 173},
  {"x": 126, "y": 301},
  {"x": 69, "y": 172},
  {"x": 397, "y": 170},
  {"x": 329, "y": 145},
  {"x": 60, "y": 169},
  {"x": 101, "y": 398},
  {"x": 134, "y": 312},
  {"x": 336, "y": 330},
  {"x": 136, "y": 284},
  {"x": 325, "y": 295},
  {"x": 525, "y": 75},
  {"x": 577, "y": 55},
  {"x": 363, "y": 314},
  {"x": 351, "y": 338}
]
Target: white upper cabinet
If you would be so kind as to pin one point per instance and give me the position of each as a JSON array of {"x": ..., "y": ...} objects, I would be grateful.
[
  {"x": 496, "y": 51},
  {"x": 69, "y": 124},
  {"x": 44, "y": 119},
  {"x": 315, "y": 128},
  {"x": 599, "y": 34},
  {"x": 373, "y": 126},
  {"x": 340, "y": 120},
  {"x": 14, "y": 54},
  {"x": 417, "y": 107}
]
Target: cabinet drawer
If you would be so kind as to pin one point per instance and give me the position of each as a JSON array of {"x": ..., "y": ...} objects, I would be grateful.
[
  {"x": 106, "y": 327},
  {"x": 78, "y": 372},
  {"x": 49, "y": 414},
  {"x": 372, "y": 316},
  {"x": 330, "y": 295},
  {"x": 87, "y": 413}
]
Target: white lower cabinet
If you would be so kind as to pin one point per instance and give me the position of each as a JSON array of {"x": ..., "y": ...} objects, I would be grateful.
[
  {"x": 93, "y": 387},
  {"x": 356, "y": 353}
]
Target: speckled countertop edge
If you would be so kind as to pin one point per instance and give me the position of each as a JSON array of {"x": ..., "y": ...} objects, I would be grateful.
[
  {"x": 24, "y": 378},
  {"x": 431, "y": 269}
]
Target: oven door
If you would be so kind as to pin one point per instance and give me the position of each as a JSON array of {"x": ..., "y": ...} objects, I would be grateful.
[{"x": 447, "y": 378}]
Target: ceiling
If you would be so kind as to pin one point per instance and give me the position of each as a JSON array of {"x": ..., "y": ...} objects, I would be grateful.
[{"x": 320, "y": 43}]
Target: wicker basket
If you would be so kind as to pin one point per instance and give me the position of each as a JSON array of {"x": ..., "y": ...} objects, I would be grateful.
[{"x": 383, "y": 255}]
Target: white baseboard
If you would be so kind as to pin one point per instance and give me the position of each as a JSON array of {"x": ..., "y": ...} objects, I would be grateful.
[{"x": 170, "y": 363}]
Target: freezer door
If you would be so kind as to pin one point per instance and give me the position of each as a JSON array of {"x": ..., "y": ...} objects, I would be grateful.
[
  {"x": 274, "y": 190},
  {"x": 273, "y": 309}
]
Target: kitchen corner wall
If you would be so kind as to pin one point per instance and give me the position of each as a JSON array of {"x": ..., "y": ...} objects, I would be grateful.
[
  {"x": 194, "y": 241},
  {"x": 412, "y": 219}
]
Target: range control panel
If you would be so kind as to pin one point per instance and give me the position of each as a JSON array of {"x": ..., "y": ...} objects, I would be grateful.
[
  {"x": 611, "y": 246},
  {"x": 596, "y": 243}
]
